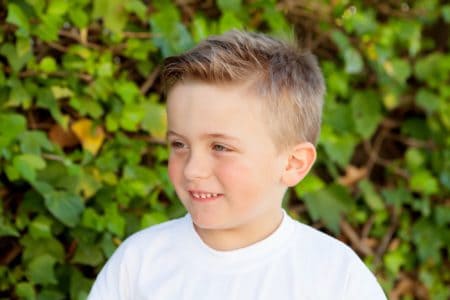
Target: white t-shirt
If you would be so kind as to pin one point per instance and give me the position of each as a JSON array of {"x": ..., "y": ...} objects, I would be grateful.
[{"x": 169, "y": 261}]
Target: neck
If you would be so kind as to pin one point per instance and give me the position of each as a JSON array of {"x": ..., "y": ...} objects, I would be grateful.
[{"x": 241, "y": 236}]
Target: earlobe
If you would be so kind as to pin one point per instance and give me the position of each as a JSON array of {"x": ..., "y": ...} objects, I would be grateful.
[{"x": 299, "y": 162}]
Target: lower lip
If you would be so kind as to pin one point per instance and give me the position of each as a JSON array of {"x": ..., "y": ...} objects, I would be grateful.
[{"x": 203, "y": 200}]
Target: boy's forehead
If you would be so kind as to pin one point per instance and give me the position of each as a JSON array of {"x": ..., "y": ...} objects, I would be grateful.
[
  {"x": 214, "y": 111},
  {"x": 245, "y": 87},
  {"x": 206, "y": 135}
]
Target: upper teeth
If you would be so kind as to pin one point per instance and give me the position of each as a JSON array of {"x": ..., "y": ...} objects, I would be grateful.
[{"x": 204, "y": 196}]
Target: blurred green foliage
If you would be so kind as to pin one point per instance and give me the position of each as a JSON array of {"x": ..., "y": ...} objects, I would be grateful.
[{"x": 82, "y": 125}]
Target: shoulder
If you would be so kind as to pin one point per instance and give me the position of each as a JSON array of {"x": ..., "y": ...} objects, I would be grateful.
[
  {"x": 335, "y": 265},
  {"x": 314, "y": 240},
  {"x": 140, "y": 253},
  {"x": 156, "y": 235}
]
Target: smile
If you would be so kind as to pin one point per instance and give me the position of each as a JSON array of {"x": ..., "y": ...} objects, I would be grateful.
[{"x": 201, "y": 196}]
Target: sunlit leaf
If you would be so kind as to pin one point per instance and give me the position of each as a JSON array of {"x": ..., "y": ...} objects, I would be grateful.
[{"x": 91, "y": 136}]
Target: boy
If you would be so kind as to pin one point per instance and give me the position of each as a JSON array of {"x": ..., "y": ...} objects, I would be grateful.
[{"x": 243, "y": 116}]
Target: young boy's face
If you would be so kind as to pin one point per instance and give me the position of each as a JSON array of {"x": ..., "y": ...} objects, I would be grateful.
[{"x": 223, "y": 162}]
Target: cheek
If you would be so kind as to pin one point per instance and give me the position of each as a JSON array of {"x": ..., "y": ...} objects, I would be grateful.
[
  {"x": 249, "y": 180},
  {"x": 174, "y": 169},
  {"x": 238, "y": 177}
]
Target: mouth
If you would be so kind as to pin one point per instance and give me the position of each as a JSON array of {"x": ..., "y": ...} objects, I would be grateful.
[{"x": 200, "y": 196}]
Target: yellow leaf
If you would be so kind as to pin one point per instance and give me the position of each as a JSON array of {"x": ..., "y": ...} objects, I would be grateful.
[
  {"x": 387, "y": 65},
  {"x": 91, "y": 139}
]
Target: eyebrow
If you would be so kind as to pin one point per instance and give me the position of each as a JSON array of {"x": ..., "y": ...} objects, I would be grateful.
[{"x": 206, "y": 135}]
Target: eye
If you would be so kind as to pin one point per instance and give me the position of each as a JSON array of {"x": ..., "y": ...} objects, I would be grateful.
[
  {"x": 220, "y": 148},
  {"x": 177, "y": 145}
]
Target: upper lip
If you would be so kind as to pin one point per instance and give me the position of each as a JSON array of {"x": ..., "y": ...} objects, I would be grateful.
[{"x": 200, "y": 192}]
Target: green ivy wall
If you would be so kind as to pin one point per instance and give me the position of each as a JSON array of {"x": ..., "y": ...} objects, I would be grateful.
[{"x": 82, "y": 126}]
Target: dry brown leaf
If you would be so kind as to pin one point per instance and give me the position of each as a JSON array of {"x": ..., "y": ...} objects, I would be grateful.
[
  {"x": 61, "y": 137},
  {"x": 403, "y": 287},
  {"x": 352, "y": 175}
]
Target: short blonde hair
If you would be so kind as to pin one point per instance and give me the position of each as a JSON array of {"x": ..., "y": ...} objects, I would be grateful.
[{"x": 287, "y": 77}]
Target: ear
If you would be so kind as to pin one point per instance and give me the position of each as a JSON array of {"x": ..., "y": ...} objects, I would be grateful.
[{"x": 299, "y": 162}]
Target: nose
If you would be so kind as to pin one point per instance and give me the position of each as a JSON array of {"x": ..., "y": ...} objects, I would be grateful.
[{"x": 197, "y": 167}]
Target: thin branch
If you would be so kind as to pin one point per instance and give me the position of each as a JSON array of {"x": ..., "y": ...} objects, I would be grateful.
[
  {"x": 137, "y": 35},
  {"x": 52, "y": 157},
  {"x": 387, "y": 237},
  {"x": 149, "y": 81},
  {"x": 354, "y": 238}
]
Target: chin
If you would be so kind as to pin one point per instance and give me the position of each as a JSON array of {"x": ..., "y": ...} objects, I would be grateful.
[
  {"x": 208, "y": 222},
  {"x": 205, "y": 223}
]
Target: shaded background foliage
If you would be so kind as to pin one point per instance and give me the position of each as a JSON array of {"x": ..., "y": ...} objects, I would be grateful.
[{"x": 82, "y": 125}]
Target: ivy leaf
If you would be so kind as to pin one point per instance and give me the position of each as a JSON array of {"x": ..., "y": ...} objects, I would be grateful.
[
  {"x": 154, "y": 120},
  {"x": 427, "y": 100},
  {"x": 58, "y": 8},
  {"x": 353, "y": 61},
  {"x": 16, "y": 125},
  {"x": 25, "y": 290},
  {"x": 170, "y": 35},
  {"x": 16, "y": 61},
  {"x": 91, "y": 219},
  {"x": 66, "y": 207},
  {"x": 91, "y": 137},
  {"x": 339, "y": 117},
  {"x": 395, "y": 259},
  {"x": 131, "y": 117},
  {"x": 79, "y": 285},
  {"x": 328, "y": 205},
  {"x": 153, "y": 218},
  {"x": 79, "y": 17},
  {"x": 366, "y": 109},
  {"x": 41, "y": 270},
  {"x": 446, "y": 13},
  {"x": 428, "y": 240},
  {"x": 7, "y": 229},
  {"x": 115, "y": 222},
  {"x": 414, "y": 159},
  {"x": 127, "y": 90},
  {"x": 338, "y": 147},
  {"x": 114, "y": 15},
  {"x": 38, "y": 247},
  {"x": 276, "y": 20},
  {"x": 371, "y": 197},
  {"x": 19, "y": 95},
  {"x": 229, "y": 21},
  {"x": 416, "y": 128},
  {"x": 41, "y": 227},
  {"x": 88, "y": 254},
  {"x": 230, "y": 5},
  {"x": 398, "y": 69},
  {"x": 309, "y": 184},
  {"x": 199, "y": 28},
  {"x": 49, "y": 27},
  {"x": 46, "y": 99},
  {"x": 33, "y": 141},
  {"x": 17, "y": 16},
  {"x": 433, "y": 69},
  {"x": 48, "y": 64},
  {"x": 27, "y": 164},
  {"x": 86, "y": 106},
  {"x": 137, "y": 7},
  {"x": 352, "y": 58},
  {"x": 423, "y": 181}
]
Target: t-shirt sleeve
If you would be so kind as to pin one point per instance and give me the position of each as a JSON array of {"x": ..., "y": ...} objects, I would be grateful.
[
  {"x": 113, "y": 280},
  {"x": 361, "y": 283}
]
